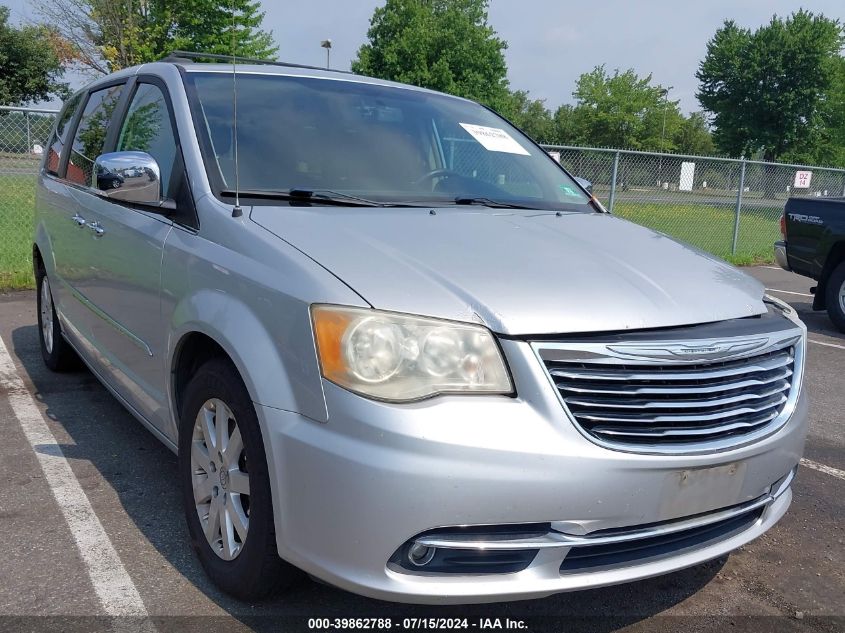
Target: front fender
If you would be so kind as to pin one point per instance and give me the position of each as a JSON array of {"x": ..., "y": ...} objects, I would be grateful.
[
  {"x": 250, "y": 292},
  {"x": 282, "y": 374},
  {"x": 259, "y": 357}
]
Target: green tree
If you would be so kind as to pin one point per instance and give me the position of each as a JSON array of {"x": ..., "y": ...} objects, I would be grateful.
[
  {"x": 767, "y": 90},
  {"x": 621, "y": 110},
  {"x": 206, "y": 26},
  {"x": 825, "y": 141},
  {"x": 444, "y": 45},
  {"x": 567, "y": 130},
  {"x": 531, "y": 116},
  {"x": 106, "y": 35},
  {"x": 833, "y": 151},
  {"x": 694, "y": 136},
  {"x": 30, "y": 65}
]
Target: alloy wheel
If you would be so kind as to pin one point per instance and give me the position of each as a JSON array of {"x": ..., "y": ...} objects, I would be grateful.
[
  {"x": 842, "y": 297},
  {"x": 47, "y": 314},
  {"x": 220, "y": 479}
]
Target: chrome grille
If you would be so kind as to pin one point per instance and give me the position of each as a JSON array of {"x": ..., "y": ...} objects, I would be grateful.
[{"x": 673, "y": 402}]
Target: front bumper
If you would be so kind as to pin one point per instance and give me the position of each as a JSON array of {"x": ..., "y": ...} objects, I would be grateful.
[
  {"x": 780, "y": 255},
  {"x": 350, "y": 493}
]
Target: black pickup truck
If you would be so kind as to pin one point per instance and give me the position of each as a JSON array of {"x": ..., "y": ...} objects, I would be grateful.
[{"x": 814, "y": 246}]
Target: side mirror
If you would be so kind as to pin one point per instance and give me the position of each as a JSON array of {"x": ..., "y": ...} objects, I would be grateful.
[{"x": 128, "y": 176}]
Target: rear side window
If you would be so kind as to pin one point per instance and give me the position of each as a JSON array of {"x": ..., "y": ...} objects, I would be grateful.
[
  {"x": 147, "y": 128},
  {"x": 90, "y": 135},
  {"x": 57, "y": 141}
]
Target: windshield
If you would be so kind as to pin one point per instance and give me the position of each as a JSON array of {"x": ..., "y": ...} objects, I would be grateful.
[{"x": 379, "y": 143}]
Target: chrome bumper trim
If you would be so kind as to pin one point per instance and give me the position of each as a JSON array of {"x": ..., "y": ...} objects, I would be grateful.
[
  {"x": 780, "y": 255},
  {"x": 560, "y": 540}
]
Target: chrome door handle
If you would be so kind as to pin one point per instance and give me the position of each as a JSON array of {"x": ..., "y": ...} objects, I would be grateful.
[
  {"x": 80, "y": 221},
  {"x": 97, "y": 228}
]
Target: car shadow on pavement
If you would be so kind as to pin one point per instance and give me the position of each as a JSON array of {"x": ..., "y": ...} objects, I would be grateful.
[
  {"x": 117, "y": 459},
  {"x": 817, "y": 321}
]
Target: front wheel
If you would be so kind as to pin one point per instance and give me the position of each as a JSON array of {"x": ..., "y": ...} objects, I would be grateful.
[
  {"x": 226, "y": 486},
  {"x": 835, "y": 297}
]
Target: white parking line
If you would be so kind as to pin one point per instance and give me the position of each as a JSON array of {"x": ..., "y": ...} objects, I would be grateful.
[
  {"x": 789, "y": 292},
  {"x": 827, "y": 344},
  {"x": 772, "y": 267},
  {"x": 115, "y": 589},
  {"x": 828, "y": 470}
]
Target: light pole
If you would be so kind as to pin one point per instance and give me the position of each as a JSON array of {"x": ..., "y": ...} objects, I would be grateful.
[
  {"x": 665, "y": 92},
  {"x": 327, "y": 44}
]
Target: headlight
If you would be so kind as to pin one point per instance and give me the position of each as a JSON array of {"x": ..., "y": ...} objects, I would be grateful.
[{"x": 401, "y": 357}]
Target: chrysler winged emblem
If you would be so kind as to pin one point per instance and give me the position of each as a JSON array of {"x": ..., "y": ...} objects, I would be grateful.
[{"x": 702, "y": 349}]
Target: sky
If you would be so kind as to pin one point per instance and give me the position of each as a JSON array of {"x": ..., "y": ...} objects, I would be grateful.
[{"x": 550, "y": 42}]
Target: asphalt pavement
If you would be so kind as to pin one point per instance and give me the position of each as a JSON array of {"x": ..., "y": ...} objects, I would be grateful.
[{"x": 118, "y": 538}]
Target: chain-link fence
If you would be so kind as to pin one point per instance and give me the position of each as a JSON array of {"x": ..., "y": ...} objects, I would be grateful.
[
  {"x": 23, "y": 138},
  {"x": 729, "y": 207}
]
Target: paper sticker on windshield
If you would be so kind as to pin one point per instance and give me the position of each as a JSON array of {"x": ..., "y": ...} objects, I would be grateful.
[{"x": 494, "y": 139}]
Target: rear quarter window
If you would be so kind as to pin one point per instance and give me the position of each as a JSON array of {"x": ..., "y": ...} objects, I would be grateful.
[
  {"x": 90, "y": 137},
  {"x": 59, "y": 136}
]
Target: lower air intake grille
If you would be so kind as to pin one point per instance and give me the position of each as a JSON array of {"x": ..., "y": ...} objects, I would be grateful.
[{"x": 641, "y": 551}]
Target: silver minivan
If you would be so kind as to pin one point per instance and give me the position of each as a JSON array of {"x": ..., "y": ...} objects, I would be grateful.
[{"x": 399, "y": 348}]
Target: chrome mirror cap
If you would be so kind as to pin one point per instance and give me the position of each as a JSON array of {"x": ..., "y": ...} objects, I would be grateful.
[{"x": 128, "y": 176}]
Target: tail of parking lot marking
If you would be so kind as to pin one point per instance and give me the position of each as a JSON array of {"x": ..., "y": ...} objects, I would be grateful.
[
  {"x": 114, "y": 587},
  {"x": 827, "y": 344},
  {"x": 827, "y": 470}
]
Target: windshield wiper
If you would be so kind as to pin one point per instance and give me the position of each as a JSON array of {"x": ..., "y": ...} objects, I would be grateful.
[
  {"x": 488, "y": 202},
  {"x": 326, "y": 196},
  {"x": 329, "y": 196},
  {"x": 336, "y": 197}
]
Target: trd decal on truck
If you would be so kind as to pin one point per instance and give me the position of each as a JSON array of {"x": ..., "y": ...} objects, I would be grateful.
[{"x": 805, "y": 219}]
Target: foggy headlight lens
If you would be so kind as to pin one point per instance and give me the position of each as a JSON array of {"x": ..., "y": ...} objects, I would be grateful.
[
  {"x": 373, "y": 348},
  {"x": 402, "y": 357}
]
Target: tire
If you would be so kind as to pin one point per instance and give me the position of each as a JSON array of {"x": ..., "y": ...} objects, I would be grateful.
[
  {"x": 835, "y": 296},
  {"x": 244, "y": 561},
  {"x": 57, "y": 353}
]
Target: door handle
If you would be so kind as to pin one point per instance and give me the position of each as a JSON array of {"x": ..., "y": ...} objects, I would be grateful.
[
  {"x": 80, "y": 221},
  {"x": 97, "y": 228}
]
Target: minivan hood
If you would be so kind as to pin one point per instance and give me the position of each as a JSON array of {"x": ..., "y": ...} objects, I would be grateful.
[{"x": 518, "y": 272}]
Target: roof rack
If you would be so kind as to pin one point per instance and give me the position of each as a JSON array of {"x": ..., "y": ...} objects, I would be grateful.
[{"x": 177, "y": 57}]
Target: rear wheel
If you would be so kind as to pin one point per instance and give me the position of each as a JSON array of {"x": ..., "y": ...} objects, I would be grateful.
[
  {"x": 56, "y": 352},
  {"x": 226, "y": 487},
  {"x": 835, "y": 296}
]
